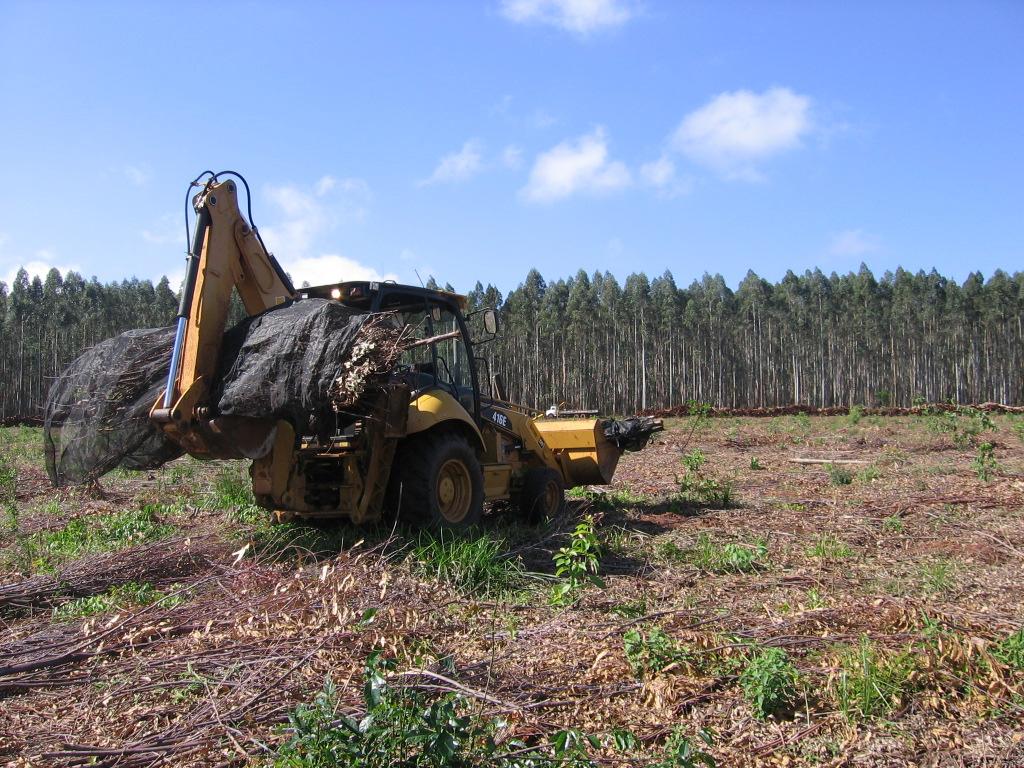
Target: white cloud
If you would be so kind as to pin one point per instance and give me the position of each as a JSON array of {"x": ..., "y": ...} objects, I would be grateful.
[
  {"x": 458, "y": 166},
  {"x": 38, "y": 266},
  {"x": 580, "y": 17},
  {"x": 305, "y": 217},
  {"x": 735, "y": 130},
  {"x": 658, "y": 173},
  {"x": 853, "y": 242},
  {"x": 331, "y": 268},
  {"x": 574, "y": 166},
  {"x": 136, "y": 175},
  {"x": 167, "y": 230},
  {"x": 307, "y": 214},
  {"x": 512, "y": 157},
  {"x": 325, "y": 185}
]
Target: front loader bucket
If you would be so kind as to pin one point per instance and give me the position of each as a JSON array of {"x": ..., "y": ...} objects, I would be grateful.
[{"x": 586, "y": 456}]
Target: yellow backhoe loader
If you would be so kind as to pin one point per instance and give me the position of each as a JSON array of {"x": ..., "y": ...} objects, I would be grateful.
[{"x": 428, "y": 444}]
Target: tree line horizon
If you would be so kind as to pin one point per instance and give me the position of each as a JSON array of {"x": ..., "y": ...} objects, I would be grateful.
[{"x": 590, "y": 341}]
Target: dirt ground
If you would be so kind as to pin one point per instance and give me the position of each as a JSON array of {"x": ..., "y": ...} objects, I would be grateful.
[{"x": 159, "y": 619}]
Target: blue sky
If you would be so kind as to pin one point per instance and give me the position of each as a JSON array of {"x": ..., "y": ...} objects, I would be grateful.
[{"x": 476, "y": 140}]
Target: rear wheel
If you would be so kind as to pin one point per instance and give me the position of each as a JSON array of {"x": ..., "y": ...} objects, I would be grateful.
[
  {"x": 542, "y": 495},
  {"x": 436, "y": 481}
]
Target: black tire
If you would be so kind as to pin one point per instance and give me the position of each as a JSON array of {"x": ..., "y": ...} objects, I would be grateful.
[
  {"x": 542, "y": 495},
  {"x": 436, "y": 482}
]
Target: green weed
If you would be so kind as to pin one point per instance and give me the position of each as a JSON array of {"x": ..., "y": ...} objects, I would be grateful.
[
  {"x": 838, "y": 475},
  {"x": 653, "y": 652},
  {"x": 668, "y": 551},
  {"x": 728, "y": 557},
  {"x": 855, "y": 414},
  {"x": 97, "y": 533},
  {"x": 577, "y": 564},
  {"x": 802, "y": 422},
  {"x": 963, "y": 424},
  {"x": 405, "y": 727},
  {"x": 769, "y": 683},
  {"x": 870, "y": 685},
  {"x": 8, "y": 478},
  {"x": 984, "y": 464},
  {"x": 892, "y": 524},
  {"x": 937, "y": 576},
  {"x": 828, "y": 546},
  {"x": 473, "y": 565},
  {"x": 680, "y": 751},
  {"x": 868, "y": 474},
  {"x": 755, "y": 463},
  {"x": 124, "y": 595},
  {"x": 231, "y": 489},
  {"x": 815, "y": 599},
  {"x": 697, "y": 489},
  {"x": 630, "y": 609},
  {"x": 1010, "y": 650}
]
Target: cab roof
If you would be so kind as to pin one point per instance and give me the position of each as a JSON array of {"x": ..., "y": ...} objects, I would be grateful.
[{"x": 362, "y": 294}]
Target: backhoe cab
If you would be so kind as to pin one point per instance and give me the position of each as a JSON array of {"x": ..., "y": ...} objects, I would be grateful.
[{"x": 428, "y": 443}]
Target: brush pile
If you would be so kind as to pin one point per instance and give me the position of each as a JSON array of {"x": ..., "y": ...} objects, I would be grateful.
[{"x": 303, "y": 362}]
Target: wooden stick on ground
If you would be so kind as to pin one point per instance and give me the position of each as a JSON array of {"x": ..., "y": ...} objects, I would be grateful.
[{"x": 800, "y": 460}]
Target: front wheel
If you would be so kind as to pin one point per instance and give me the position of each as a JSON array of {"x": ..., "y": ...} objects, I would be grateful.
[
  {"x": 542, "y": 495},
  {"x": 437, "y": 482}
]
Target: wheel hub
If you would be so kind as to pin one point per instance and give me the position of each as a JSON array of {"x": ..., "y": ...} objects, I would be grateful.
[{"x": 454, "y": 490}]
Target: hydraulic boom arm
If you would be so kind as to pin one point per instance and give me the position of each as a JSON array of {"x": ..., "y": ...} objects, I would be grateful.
[{"x": 226, "y": 252}]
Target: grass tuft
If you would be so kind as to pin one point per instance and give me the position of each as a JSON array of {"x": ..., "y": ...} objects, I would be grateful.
[
  {"x": 97, "y": 533},
  {"x": 473, "y": 565},
  {"x": 870, "y": 685},
  {"x": 829, "y": 547},
  {"x": 728, "y": 557}
]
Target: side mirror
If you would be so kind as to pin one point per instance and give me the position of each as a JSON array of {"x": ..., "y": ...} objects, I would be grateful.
[{"x": 491, "y": 321}]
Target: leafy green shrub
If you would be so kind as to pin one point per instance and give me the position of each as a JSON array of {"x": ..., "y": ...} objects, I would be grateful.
[
  {"x": 984, "y": 464},
  {"x": 651, "y": 653},
  {"x": 870, "y": 685},
  {"x": 680, "y": 752},
  {"x": 1010, "y": 650},
  {"x": 728, "y": 557},
  {"x": 855, "y": 414},
  {"x": 577, "y": 564},
  {"x": 694, "y": 460},
  {"x": 963, "y": 424},
  {"x": 474, "y": 565},
  {"x": 828, "y": 546},
  {"x": 769, "y": 683},
  {"x": 838, "y": 475},
  {"x": 404, "y": 727}
]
